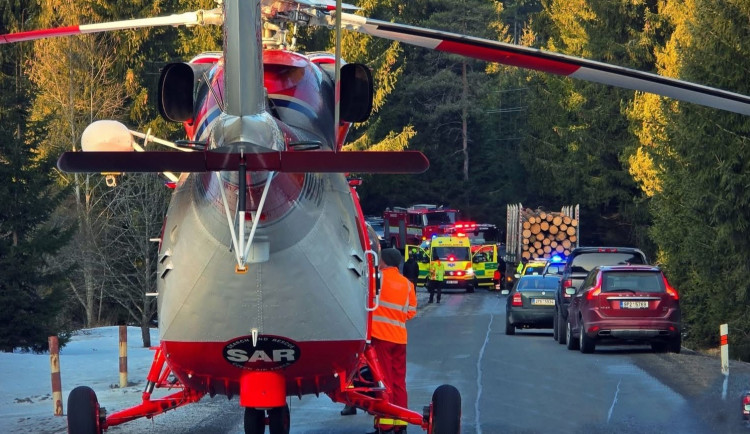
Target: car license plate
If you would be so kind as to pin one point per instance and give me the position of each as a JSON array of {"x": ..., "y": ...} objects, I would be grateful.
[
  {"x": 543, "y": 301},
  {"x": 451, "y": 282},
  {"x": 634, "y": 304}
]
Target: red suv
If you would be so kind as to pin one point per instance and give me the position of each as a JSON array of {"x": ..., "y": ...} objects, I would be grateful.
[{"x": 621, "y": 305}]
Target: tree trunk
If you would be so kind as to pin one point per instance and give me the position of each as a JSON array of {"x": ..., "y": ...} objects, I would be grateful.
[
  {"x": 145, "y": 333},
  {"x": 465, "y": 120}
]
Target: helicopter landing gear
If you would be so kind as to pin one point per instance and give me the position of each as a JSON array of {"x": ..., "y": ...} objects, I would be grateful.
[
  {"x": 84, "y": 411},
  {"x": 255, "y": 421},
  {"x": 278, "y": 420},
  {"x": 445, "y": 411}
]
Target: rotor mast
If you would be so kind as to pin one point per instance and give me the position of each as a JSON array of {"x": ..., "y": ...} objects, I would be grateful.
[
  {"x": 245, "y": 125},
  {"x": 243, "y": 57}
]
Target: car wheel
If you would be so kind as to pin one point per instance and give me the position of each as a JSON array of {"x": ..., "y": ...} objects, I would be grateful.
[
  {"x": 561, "y": 334},
  {"x": 585, "y": 343},
  {"x": 510, "y": 329},
  {"x": 675, "y": 345},
  {"x": 554, "y": 326},
  {"x": 572, "y": 343}
]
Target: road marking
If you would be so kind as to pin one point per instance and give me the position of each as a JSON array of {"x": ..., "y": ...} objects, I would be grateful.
[
  {"x": 612, "y": 407},
  {"x": 479, "y": 372}
]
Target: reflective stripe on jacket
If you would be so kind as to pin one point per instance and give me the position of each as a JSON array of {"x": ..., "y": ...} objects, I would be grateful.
[{"x": 397, "y": 304}]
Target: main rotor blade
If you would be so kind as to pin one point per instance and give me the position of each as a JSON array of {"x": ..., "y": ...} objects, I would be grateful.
[
  {"x": 288, "y": 161},
  {"x": 569, "y": 66},
  {"x": 325, "y": 4},
  {"x": 198, "y": 18}
]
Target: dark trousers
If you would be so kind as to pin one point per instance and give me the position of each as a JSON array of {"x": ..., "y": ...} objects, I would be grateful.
[{"x": 435, "y": 286}]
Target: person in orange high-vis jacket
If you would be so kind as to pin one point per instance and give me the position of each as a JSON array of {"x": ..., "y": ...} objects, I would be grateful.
[{"x": 397, "y": 304}]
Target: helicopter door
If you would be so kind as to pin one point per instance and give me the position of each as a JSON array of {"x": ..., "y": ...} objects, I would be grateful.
[{"x": 423, "y": 260}]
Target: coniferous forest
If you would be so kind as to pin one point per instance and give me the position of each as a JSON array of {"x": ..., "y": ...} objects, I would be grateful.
[{"x": 668, "y": 177}]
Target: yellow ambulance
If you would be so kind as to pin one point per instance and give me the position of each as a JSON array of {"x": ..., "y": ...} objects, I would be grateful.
[{"x": 455, "y": 254}]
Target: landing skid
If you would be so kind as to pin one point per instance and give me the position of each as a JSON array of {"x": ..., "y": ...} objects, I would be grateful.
[{"x": 85, "y": 416}]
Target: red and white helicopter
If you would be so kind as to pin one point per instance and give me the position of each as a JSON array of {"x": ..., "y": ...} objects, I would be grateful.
[{"x": 267, "y": 271}]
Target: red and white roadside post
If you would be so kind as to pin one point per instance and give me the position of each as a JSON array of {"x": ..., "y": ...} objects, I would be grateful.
[
  {"x": 123, "y": 356},
  {"x": 54, "y": 365},
  {"x": 724, "y": 342}
]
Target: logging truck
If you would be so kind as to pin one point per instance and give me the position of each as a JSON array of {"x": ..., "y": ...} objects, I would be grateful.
[{"x": 537, "y": 233}]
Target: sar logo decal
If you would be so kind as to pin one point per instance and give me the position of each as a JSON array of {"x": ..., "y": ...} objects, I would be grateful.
[{"x": 270, "y": 353}]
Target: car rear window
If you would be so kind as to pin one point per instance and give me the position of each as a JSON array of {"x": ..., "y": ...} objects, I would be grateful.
[
  {"x": 585, "y": 262},
  {"x": 534, "y": 283},
  {"x": 641, "y": 281}
]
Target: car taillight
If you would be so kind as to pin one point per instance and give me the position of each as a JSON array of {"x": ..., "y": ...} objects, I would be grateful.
[
  {"x": 746, "y": 405},
  {"x": 567, "y": 283},
  {"x": 670, "y": 290},
  {"x": 496, "y": 275},
  {"x": 593, "y": 292},
  {"x": 596, "y": 290},
  {"x": 517, "y": 300}
]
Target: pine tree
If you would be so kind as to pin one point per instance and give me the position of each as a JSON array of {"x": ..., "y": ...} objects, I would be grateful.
[
  {"x": 702, "y": 163},
  {"x": 578, "y": 138},
  {"x": 31, "y": 297}
]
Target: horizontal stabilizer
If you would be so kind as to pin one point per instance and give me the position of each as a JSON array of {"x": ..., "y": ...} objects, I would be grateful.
[{"x": 288, "y": 161}]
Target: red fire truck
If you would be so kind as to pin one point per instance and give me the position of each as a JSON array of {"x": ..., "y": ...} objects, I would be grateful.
[{"x": 417, "y": 223}]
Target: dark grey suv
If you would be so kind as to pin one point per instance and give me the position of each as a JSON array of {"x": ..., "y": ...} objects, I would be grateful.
[{"x": 577, "y": 266}]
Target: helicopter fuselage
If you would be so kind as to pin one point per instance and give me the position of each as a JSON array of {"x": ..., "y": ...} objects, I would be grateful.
[{"x": 299, "y": 308}]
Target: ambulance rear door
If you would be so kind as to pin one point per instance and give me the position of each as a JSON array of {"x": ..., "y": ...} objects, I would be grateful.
[
  {"x": 423, "y": 260},
  {"x": 484, "y": 263}
]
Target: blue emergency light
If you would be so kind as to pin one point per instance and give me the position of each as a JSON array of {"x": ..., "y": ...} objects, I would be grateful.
[{"x": 557, "y": 258}]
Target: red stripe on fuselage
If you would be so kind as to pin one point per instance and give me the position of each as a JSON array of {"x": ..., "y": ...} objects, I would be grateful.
[
  {"x": 508, "y": 58},
  {"x": 202, "y": 366}
]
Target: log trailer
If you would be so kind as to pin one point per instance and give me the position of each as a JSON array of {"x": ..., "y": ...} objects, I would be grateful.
[{"x": 538, "y": 234}]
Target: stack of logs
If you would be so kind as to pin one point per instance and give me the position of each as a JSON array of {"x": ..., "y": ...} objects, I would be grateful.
[{"x": 546, "y": 233}]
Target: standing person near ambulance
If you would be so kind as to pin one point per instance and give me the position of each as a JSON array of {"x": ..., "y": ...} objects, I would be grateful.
[
  {"x": 437, "y": 275},
  {"x": 411, "y": 268},
  {"x": 397, "y": 304}
]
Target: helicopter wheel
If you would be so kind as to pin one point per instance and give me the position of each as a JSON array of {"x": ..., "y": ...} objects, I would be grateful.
[
  {"x": 83, "y": 411},
  {"x": 255, "y": 421},
  {"x": 446, "y": 411},
  {"x": 279, "y": 420}
]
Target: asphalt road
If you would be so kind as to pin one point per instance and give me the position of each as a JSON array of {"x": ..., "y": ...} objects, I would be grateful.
[{"x": 526, "y": 383}]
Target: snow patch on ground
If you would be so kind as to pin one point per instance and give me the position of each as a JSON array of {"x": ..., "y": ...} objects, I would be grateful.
[{"x": 91, "y": 359}]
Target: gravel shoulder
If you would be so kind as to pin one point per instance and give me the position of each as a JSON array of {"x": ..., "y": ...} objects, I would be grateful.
[{"x": 697, "y": 377}]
